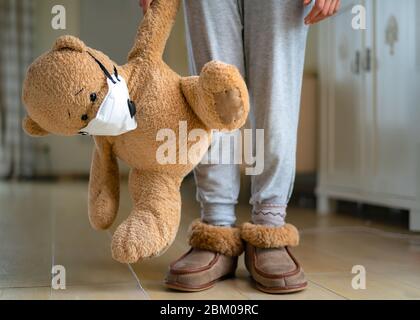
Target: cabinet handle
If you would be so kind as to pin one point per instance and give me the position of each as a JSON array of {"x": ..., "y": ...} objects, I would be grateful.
[
  {"x": 355, "y": 66},
  {"x": 367, "y": 65}
]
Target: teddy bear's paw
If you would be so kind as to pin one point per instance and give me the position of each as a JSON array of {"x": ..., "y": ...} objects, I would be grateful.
[
  {"x": 101, "y": 220},
  {"x": 102, "y": 213},
  {"x": 126, "y": 245},
  {"x": 223, "y": 90},
  {"x": 229, "y": 106},
  {"x": 99, "y": 224},
  {"x": 126, "y": 252},
  {"x": 136, "y": 240}
]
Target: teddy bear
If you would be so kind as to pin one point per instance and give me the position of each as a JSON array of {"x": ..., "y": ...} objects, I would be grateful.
[{"x": 63, "y": 92}]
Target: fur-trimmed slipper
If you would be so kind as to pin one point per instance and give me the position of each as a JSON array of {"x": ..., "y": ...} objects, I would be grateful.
[
  {"x": 262, "y": 236},
  {"x": 269, "y": 260},
  {"x": 212, "y": 258},
  {"x": 224, "y": 240}
]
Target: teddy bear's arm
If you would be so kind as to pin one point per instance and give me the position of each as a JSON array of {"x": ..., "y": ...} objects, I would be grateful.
[
  {"x": 155, "y": 29},
  {"x": 219, "y": 96},
  {"x": 104, "y": 186},
  {"x": 153, "y": 222}
]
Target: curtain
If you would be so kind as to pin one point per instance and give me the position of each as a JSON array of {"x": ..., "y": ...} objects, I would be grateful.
[{"x": 16, "y": 30}]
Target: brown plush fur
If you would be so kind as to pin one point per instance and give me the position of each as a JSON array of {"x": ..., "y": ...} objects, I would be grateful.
[
  {"x": 56, "y": 93},
  {"x": 225, "y": 240},
  {"x": 262, "y": 236}
]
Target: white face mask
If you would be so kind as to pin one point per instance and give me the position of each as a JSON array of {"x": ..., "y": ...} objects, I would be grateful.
[{"x": 116, "y": 115}]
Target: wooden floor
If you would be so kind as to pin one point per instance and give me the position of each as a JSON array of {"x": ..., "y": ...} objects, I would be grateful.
[{"x": 45, "y": 224}]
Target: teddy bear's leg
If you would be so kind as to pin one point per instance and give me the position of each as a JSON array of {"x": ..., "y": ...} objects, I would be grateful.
[
  {"x": 219, "y": 96},
  {"x": 104, "y": 186},
  {"x": 152, "y": 225}
]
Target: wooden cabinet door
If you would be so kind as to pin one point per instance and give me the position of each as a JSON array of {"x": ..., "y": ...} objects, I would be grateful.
[
  {"x": 395, "y": 135},
  {"x": 342, "y": 105}
]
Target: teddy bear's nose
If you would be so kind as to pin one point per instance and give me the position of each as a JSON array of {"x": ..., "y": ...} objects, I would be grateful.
[{"x": 132, "y": 108}]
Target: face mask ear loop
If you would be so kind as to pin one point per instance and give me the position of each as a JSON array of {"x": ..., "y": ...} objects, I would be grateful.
[
  {"x": 107, "y": 74},
  {"x": 116, "y": 74}
]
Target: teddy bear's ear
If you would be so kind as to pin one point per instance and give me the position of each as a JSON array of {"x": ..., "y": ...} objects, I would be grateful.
[
  {"x": 32, "y": 128},
  {"x": 69, "y": 42}
]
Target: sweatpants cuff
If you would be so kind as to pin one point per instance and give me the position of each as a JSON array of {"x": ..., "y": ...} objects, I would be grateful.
[
  {"x": 218, "y": 214},
  {"x": 269, "y": 214}
]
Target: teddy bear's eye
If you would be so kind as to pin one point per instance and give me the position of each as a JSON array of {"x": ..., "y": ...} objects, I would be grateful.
[{"x": 93, "y": 97}]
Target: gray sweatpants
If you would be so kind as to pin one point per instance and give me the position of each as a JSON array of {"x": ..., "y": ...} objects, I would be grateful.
[{"x": 265, "y": 40}]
